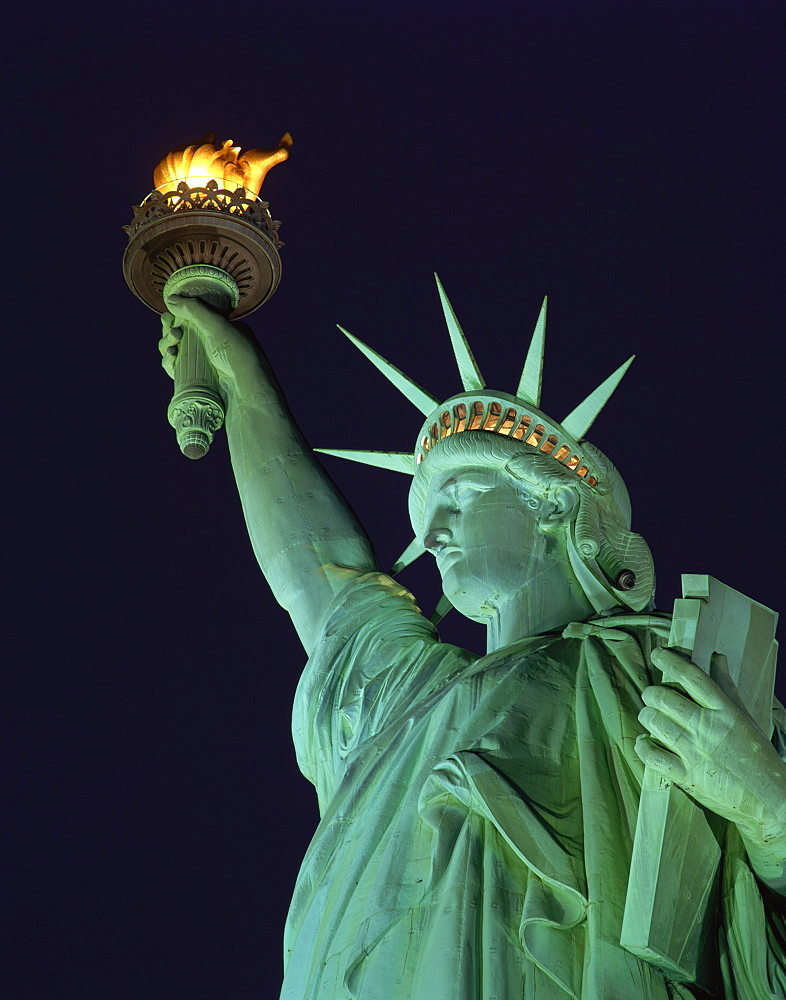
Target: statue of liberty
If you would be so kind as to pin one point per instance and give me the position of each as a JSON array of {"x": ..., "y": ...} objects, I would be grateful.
[{"x": 478, "y": 813}]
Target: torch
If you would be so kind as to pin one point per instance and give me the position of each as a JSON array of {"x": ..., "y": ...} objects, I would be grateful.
[{"x": 204, "y": 231}]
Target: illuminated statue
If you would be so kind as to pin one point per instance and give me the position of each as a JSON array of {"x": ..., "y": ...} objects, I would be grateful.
[{"x": 478, "y": 813}]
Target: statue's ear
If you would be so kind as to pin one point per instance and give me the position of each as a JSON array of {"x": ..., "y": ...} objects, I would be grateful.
[{"x": 559, "y": 509}]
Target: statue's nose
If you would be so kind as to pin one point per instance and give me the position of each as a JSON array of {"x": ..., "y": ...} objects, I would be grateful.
[{"x": 437, "y": 539}]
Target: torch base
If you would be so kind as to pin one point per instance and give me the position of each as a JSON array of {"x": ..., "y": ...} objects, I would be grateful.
[
  {"x": 196, "y": 415},
  {"x": 180, "y": 239},
  {"x": 211, "y": 284},
  {"x": 197, "y": 409}
]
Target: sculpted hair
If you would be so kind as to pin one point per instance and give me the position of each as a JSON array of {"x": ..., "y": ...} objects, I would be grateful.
[{"x": 612, "y": 563}]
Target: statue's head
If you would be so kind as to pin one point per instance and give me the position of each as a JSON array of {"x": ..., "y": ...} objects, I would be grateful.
[
  {"x": 520, "y": 489},
  {"x": 496, "y": 513}
]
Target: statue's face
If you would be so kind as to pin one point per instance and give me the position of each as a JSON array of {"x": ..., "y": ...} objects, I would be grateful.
[{"x": 484, "y": 536}]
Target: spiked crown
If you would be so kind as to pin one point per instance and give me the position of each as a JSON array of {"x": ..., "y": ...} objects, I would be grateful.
[{"x": 517, "y": 417}]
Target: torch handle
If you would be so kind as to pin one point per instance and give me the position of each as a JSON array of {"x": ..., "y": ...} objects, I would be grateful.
[{"x": 197, "y": 410}]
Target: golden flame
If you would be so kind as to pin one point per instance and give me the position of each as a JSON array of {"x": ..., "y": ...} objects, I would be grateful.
[{"x": 204, "y": 161}]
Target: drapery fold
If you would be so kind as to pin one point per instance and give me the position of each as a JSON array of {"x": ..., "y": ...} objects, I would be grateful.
[{"x": 478, "y": 817}]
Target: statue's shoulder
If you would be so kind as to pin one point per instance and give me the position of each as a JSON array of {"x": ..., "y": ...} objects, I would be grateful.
[{"x": 374, "y": 601}]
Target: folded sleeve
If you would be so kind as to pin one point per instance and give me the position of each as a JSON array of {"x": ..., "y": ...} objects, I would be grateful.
[{"x": 377, "y": 658}]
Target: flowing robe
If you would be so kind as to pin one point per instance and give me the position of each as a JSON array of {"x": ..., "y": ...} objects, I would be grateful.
[{"x": 478, "y": 817}]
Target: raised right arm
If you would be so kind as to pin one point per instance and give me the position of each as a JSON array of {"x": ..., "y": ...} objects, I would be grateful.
[{"x": 307, "y": 540}]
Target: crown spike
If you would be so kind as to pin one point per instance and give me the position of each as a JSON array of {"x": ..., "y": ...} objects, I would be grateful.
[
  {"x": 413, "y": 551},
  {"x": 443, "y": 606},
  {"x": 396, "y": 461},
  {"x": 579, "y": 421},
  {"x": 417, "y": 396},
  {"x": 467, "y": 366},
  {"x": 532, "y": 373}
]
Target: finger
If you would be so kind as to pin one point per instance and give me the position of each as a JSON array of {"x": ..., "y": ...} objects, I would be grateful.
[
  {"x": 697, "y": 684},
  {"x": 170, "y": 326},
  {"x": 168, "y": 346},
  {"x": 183, "y": 305},
  {"x": 669, "y": 732},
  {"x": 673, "y": 704},
  {"x": 174, "y": 298},
  {"x": 660, "y": 760},
  {"x": 171, "y": 335},
  {"x": 168, "y": 364}
]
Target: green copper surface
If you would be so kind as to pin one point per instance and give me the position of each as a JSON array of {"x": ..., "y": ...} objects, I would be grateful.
[
  {"x": 579, "y": 420},
  {"x": 467, "y": 366},
  {"x": 197, "y": 410},
  {"x": 413, "y": 551},
  {"x": 395, "y": 461},
  {"x": 480, "y": 814},
  {"x": 532, "y": 373},
  {"x": 419, "y": 397}
]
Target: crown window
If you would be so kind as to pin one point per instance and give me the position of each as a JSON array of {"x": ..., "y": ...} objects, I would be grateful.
[
  {"x": 493, "y": 417},
  {"x": 434, "y": 432},
  {"x": 507, "y": 424},
  {"x": 562, "y": 453},
  {"x": 536, "y": 435},
  {"x": 549, "y": 444},
  {"x": 522, "y": 428},
  {"x": 447, "y": 423},
  {"x": 573, "y": 461},
  {"x": 476, "y": 420},
  {"x": 460, "y": 415},
  {"x": 582, "y": 471}
]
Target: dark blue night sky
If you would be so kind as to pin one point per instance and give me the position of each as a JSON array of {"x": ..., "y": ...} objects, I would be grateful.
[{"x": 625, "y": 157}]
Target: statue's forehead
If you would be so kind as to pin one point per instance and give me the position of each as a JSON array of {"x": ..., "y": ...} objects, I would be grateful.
[
  {"x": 463, "y": 483},
  {"x": 477, "y": 477}
]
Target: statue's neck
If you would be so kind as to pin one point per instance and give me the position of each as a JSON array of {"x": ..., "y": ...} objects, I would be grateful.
[{"x": 546, "y": 603}]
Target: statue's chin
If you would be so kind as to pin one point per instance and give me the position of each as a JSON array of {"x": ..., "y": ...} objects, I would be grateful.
[{"x": 470, "y": 601}]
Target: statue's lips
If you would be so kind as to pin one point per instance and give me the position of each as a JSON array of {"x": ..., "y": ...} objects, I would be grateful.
[{"x": 448, "y": 557}]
